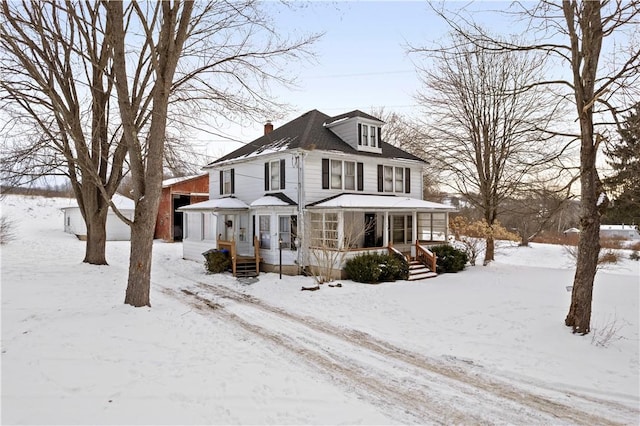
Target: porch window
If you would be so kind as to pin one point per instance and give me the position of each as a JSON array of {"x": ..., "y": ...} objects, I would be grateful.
[
  {"x": 401, "y": 228},
  {"x": 264, "y": 229},
  {"x": 287, "y": 231},
  {"x": 432, "y": 226},
  {"x": 324, "y": 230}
]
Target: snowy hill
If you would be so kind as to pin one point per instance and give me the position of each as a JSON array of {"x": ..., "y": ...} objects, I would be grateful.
[{"x": 486, "y": 345}]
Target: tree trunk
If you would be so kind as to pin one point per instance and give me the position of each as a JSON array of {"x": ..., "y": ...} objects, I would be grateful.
[
  {"x": 490, "y": 250},
  {"x": 139, "y": 281},
  {"x": 579, "y": 316},
  {"x": 96, "y": 238}
]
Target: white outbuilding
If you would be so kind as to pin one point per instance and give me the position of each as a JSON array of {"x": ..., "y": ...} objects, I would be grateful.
[
  {"x": 623, "y": 232},
  {"x": 117, "y": 230}
]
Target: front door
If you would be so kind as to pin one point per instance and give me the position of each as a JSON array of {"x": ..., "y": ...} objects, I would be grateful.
[{"x": 370, "y": 230}]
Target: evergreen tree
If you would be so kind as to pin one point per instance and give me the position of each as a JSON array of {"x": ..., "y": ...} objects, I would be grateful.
[{"x": 624, "y": 183}]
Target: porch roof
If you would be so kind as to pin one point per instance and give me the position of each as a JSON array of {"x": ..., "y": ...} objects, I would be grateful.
[
  {"x": 227, "y": 203},
  {"x": 384, "y": 202},
  {"x": 275, "y": 199}
]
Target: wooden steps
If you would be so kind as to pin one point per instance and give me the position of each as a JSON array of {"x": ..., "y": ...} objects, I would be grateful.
[
  {"x": 419, "y": 271},
  {"x": 246, "y": 267}
]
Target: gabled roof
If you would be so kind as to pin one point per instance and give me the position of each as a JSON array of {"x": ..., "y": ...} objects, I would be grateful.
[
  {"x": 120, "y": 201},
  {"x": 351, "y": 114},
  {"x": 275, "y": 199},
  {"x": 310, "y": 133},
  {"x": 226, "y": 203}
]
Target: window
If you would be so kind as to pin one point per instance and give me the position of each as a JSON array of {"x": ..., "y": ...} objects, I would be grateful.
[
  {"x": 432, "y": 226},
  {"x": 388, "y": 179},
  {"x": 401, "y": 228},
  {"x": 274, "y": 175},
  {"x": 350, "y": 175},
  {"x": 226, "y": 182},
  {"x": 338, "y": 174},
  {"x": 324, "y": 230},
  {"x": 287, "y": 231},
  {"x": 265, "y": 231},
  {"x": 365, "y": 134},
  {"x": 399, "y": 186},
  {"x": 372, "y": 136},
  {"x": 394, "y": 179}
]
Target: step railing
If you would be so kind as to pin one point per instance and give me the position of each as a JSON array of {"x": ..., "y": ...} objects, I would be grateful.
[
  {"x": 392, "y": 250},
  {"x": 231, "y": 247},
  {"x": 426, "y": 256}
]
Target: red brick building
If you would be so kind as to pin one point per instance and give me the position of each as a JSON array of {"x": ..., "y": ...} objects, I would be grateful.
[{"x": 178, "y": 192}]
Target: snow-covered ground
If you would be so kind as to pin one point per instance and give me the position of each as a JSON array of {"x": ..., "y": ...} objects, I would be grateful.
[{"x": 486, "y": 345}]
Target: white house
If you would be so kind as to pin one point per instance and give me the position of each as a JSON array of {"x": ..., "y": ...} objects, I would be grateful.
[
  {"x": 116, "y": 229},
  {"x": 625, "y": 232},
  {"x": 317, "y": 183}
]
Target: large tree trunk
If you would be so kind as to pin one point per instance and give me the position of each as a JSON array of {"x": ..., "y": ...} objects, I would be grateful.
[
  {"x": 579, "y": 316},
  {"x": 96, "y": 238},
  {"x": 139, "y": 281}
]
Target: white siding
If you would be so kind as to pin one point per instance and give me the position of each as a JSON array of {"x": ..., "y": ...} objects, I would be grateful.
[
  {"x": 313, "y": 175},
  {"x": 116, "y": 229},
  {"x": 347, "y": 130},
  {"x": 249, "y": 178}
]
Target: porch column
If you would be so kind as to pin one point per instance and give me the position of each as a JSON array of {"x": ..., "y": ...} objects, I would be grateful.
[
  {"x": 341, "y": 230},
  {"x": 385, "y": 232},
  {"x": 414, "y": 228}
]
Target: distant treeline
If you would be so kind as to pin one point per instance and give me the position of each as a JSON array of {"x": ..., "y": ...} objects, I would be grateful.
[{"x": 42, "y": 192}]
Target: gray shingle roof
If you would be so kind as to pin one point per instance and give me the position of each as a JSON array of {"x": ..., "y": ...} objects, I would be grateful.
[{"x": 309, "y": 132}]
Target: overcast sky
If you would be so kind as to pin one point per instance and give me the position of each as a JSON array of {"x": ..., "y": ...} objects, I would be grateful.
[{"x": 361, "y": 61}]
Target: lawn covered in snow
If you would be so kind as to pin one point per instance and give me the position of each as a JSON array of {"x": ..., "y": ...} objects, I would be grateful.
[{"x": 73, "y": 353}]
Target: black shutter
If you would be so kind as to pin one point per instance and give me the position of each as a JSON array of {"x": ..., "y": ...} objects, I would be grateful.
[
  {"x": 407, "y": 180},
  {"x": 325, "y": 173},
  {"x": 233, "y": 181},
  {"x": 360, "y": 173},
  {"x": 359, "y": 134},
  {"x": 282, "y": 180},
  {"x": 221, "y": 182},
  {"x": 380, "y": 178},
  {"x": 253, "y": 231},
  {"x": 266, "y": 176},
  {"x": 380, "y": 137}
]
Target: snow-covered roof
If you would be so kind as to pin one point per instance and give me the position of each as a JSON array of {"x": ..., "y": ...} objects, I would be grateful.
[
  {"x": 227, "y": 203},
  {"x": 120, "y": 201},
  {"x": 269, "y": 200},
  {"x": 572, "y": 231},
  {"x": 362, "y": 201},
  {"x": 168, "y": 182}
]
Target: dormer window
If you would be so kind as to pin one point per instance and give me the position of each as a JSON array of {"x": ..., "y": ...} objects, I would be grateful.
[{"x": 369, "y": 137}]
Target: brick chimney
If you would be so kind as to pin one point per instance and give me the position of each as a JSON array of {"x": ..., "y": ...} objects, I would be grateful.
[{"x": 268, "y": 128}]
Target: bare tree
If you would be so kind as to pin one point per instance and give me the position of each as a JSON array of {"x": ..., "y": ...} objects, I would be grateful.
[
  {"x": 150, "y": 61},
  {"x": 580, "y": 36},
  {"x": 55, "y": 93},
  {"x": 407, "y": 133},
  {"x": 486, "y": 120},
  {"x": 219, "y": 52}
]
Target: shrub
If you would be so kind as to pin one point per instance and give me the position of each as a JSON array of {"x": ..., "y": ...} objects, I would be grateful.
[
  {"x": 608, "y": 256},
  {"x": 449, "y": 258},
  {"x": 375, "y": 268},
  {"x": 634, "y": 256},
  {"x": 6, "y": 230},
  {"x": 217, "y": 261}
]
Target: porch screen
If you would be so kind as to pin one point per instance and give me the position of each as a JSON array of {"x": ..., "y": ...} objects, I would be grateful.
[
  {"x": 324, "y": 230},
  {"x": 432, "y": 226}
]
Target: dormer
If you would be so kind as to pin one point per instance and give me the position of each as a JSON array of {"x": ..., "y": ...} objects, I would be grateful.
[{"x": 360, "y": 130}]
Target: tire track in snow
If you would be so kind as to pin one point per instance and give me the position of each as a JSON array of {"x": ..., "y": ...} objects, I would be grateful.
[{"x": 413, "y": 387}]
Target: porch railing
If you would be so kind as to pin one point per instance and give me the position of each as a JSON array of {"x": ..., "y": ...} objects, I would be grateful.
[
  {"x": 426, "y": 256},
  {"x": 393, "y": 250},
  {"x": 231, "y": 247}
]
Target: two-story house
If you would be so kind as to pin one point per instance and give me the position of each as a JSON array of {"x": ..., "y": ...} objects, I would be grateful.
[{"x": 317, "y": 183}]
